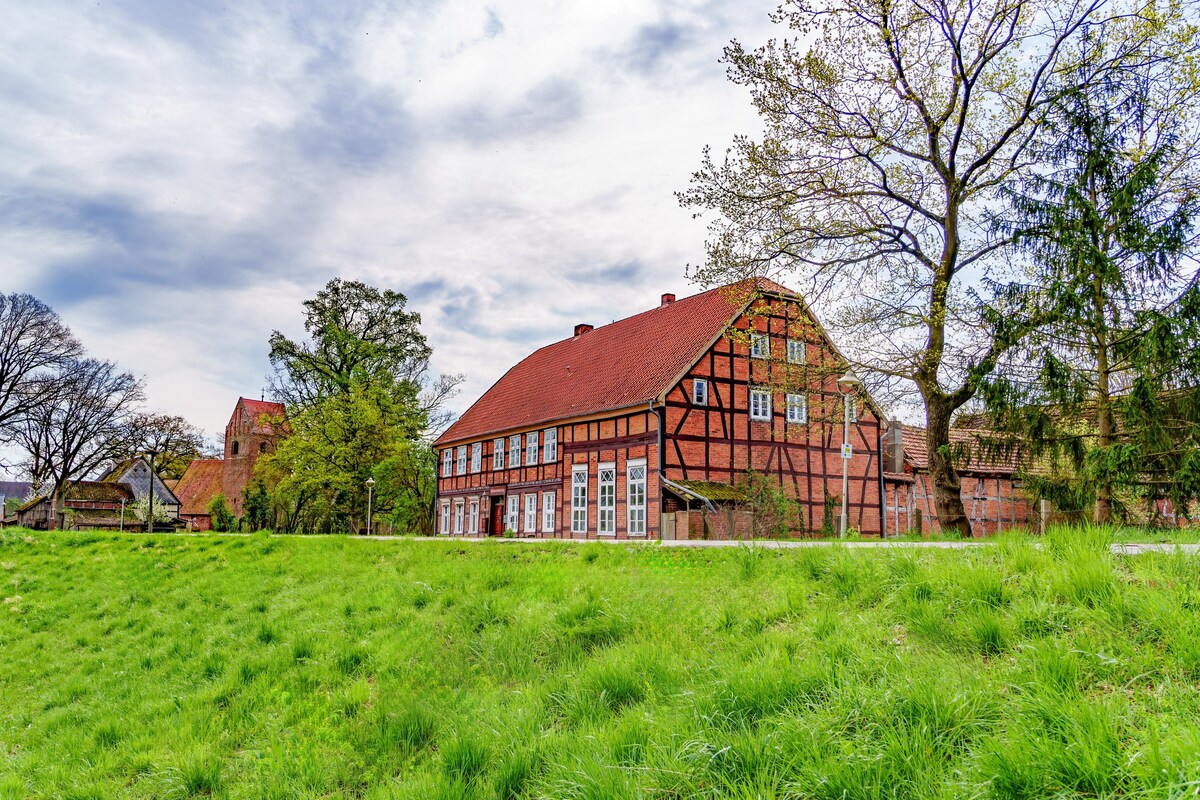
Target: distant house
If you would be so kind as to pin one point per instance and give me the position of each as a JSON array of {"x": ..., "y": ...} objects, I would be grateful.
[
  {"x": 13, "y": 494},
  {"x": 615, "y": 431},
  {"x": 254, "y": 428},
  {"x": 87, "y": 504},
  {"x": 991, "y": 491},
  {"x": 138, "y": 476}
]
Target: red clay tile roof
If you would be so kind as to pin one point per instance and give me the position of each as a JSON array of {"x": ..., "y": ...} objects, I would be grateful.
[
  {"x": 200, "y": 483},
  {"x": 980, "y": 461},
  {"x": 257, "y": 409},
  {"x": 625, "y": 363}
]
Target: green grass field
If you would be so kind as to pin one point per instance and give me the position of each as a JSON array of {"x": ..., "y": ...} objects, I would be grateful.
[{"x": 254, "y": 667}]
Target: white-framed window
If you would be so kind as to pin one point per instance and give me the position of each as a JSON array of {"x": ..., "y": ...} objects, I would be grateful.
[
  {"x": 514, "y": 511},
  {"x": 550, "y": 445},
  {"x": 797, "y": 351},
  {"x": 514, "y": 450},
  {"x": 635, "y": 496},
  {"x": 760, "y": 345},
  {"x": 458, "y": 516},
  {"x": 548, "y": 508},
  {"x": 462, "y": 459},
  {"x": 531, "y": 448},
  {"x": 760, "y": 404},
  {"x": 606, "y": 500},
  {"x": 498, "y": 454},
  {"x": 447, "y": 462},
  {"x": 579, "y": 498},
  {"x": 531, "y": 512},
  {"x": 473, "y": 519},
  {"x": 477, "y": 457},
  {"x": 699, "y": 392},
  {"x": 445, "y": 520},
  {"x": 854, "y": 409},
  {"x": 797, "y": 408}
]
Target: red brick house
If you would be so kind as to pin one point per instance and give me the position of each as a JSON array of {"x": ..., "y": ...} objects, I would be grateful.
[
  {"x": 991, "y": 491},
  {"x": 252, "y": 431},
  {"x": 609, "y": 432}
]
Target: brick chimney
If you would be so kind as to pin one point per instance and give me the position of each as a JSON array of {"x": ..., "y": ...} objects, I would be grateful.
[
  {"x": 667, "y": 299},
  {"x": 582, "y": 328}
]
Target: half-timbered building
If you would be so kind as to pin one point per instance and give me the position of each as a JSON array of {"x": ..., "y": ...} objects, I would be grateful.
[{"x": 610, "y": 432}]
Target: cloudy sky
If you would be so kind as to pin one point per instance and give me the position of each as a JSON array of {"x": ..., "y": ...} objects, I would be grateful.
[{"x": 176, "y": 176}]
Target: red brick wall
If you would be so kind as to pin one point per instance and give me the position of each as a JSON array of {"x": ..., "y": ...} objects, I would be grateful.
[{"x": 993, "y": 503}]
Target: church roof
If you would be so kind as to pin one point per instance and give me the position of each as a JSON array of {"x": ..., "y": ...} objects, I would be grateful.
[{"x": 198, "y": 485}]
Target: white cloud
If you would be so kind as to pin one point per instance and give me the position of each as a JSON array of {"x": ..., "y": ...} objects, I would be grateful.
[{"x": 177, "y": 181}]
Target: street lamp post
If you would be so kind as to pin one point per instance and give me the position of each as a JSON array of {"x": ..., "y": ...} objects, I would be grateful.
[
  {"x": 846, "y": 382},
  {"x": 370, "y": 490}
]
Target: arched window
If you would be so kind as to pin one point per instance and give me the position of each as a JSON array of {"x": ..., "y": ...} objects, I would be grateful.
[
  {"x": 262, "y": 447},
  {"x": 235, "y": 447}
]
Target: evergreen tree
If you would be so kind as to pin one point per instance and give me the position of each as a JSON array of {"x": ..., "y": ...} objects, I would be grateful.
[{"x": 1102, "y": 392}]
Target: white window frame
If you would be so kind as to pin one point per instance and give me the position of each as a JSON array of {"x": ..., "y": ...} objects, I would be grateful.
[
  {"x": 512, "y": 521},
  {"x": 760, "y": 345},
  {"x": 797, "y": 408},
  {"x": 458, "y": 517},
  {"x": 606, "y": 499},
  {"x": 445, "y": 520},
  {"x": 579, "y": 498},
  {"x": 530, "y": 513},
  {"x": 461, "y": 454},
  {"x": 699, "y": 392},
  {"x": 759, "y": 394},
  {"x": 549, "y": 445},
  {"x": 797, "y": 351},
  {"x": 498, "y": 454},
  {"x": 549, "y": 506},
  {"x": 473, "y": 517},
  {"x": 514, "y": 450},
  {"x": 447, "y": 462},
  {"x": 635, "y": 497},
  {"x": 477, "y": 457},
  {"x": 531, "y": 448}
]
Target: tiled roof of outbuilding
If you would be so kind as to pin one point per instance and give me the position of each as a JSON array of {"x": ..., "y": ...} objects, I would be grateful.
[
  {"x": 625, "y": 363},
  {"x": 200, "y": 483},
  {"x": 980, "y": 460}
]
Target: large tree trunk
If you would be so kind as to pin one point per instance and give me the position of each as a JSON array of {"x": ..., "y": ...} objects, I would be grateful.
[
  {"x": 1102, "y": 513},
  {"x": 947, "y": 486}
]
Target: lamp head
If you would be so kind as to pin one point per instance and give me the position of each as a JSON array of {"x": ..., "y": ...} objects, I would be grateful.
[
  {"x": 849, "y": 379},
  {"x": 370, "y": 482}
]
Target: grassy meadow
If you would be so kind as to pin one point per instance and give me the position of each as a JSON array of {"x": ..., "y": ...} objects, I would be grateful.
[{"x": 255, "y": 667}]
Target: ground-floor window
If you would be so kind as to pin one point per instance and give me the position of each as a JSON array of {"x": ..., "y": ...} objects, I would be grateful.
[
  {"x": 548, "y": 512},
  {"x": 514, "y": 511},
  {"x": 531, "y": 513},
  {"x": 635, "y": 495},
  {"x": 474, "y": 519},
  {"x": 579, "y": 498},
  {"x": 606, "y": 500},
  {"x": 458, "y": 516},
  {"x": 445, "y": 519}
]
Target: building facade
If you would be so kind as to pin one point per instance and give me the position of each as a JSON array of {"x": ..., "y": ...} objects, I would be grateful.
[{"x": 613, "y": 431}]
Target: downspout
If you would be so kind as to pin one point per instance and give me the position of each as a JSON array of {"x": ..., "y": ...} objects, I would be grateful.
[
  {"x": 882, "y": 487},
  {"x": 661, "y": 461}
]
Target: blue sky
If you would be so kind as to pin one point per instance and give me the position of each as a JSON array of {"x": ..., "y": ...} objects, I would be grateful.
[{"x": 176, "y": 177}]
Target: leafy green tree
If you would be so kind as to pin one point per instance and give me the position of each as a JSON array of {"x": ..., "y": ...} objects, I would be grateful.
[
  {"x": 256, "y": 503},
  {"x": 889, "y": 128},
  {"x": 1105, "y": 385},
  {"x": 222, "y": 515},
  {"x": 360, "y": 406}
]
